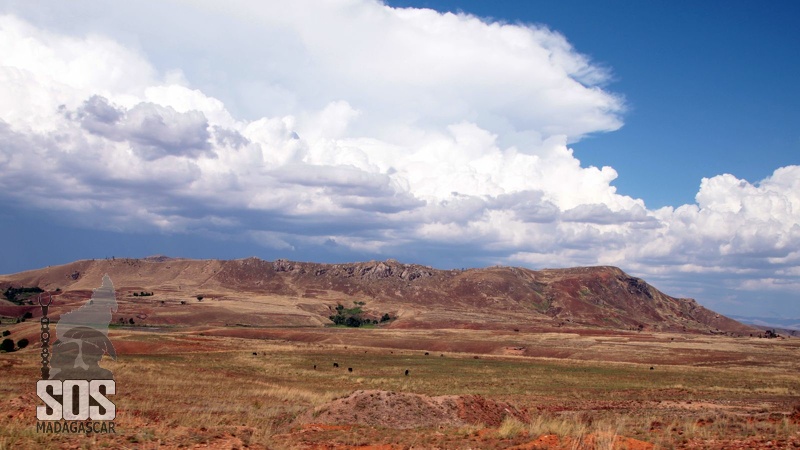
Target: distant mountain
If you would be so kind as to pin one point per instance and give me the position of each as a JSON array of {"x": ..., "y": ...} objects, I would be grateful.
[
  {"x": 770, "y": 322},
  {"x": 254, "y": 292}
]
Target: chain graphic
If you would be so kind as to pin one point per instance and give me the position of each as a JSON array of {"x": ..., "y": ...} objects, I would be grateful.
[{"x": 45, "y": 333}]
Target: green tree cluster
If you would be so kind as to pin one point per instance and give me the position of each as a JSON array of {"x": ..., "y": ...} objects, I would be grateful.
[
  {"x": 352, "y": 317},
  {"x": 19, "y": 295},
  {"x": 7, "y": 345}
]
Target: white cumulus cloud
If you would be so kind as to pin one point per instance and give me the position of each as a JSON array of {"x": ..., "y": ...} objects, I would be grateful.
[{"x": 350, "y": 124}]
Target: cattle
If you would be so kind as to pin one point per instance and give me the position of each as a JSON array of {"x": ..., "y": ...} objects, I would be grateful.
[
  {"x": 335, "y": 364},
  {"x": 350, "y": 369},
  {"x": 406, "y": 372}
]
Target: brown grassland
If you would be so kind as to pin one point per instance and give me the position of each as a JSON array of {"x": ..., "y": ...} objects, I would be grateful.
[
  {"x": 236, "y": 354},
  {"x": 203, "y": 387}
]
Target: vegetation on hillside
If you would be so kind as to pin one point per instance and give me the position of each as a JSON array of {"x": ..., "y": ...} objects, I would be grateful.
[
  {"x": 21, "y": 294},
  {"x": 7, "y": 345},
  {"x": 353, "y": 317}
]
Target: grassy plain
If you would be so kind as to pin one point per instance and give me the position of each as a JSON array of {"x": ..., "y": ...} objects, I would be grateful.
[{"x": 233, "y": 387}]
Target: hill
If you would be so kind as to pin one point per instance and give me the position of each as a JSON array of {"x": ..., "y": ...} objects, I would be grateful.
[{"x": 281, "y": 293}]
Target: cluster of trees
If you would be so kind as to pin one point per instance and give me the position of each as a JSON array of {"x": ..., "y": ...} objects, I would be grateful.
[
  {"x": 352, "y": 317},
  {"x": 19, "y": 295},
  {"x": 771, "y": 334},
  {"x": 8, "y": 344},
  {"x": 142, "y": 294},
  {"x": 24, "y": 317}
]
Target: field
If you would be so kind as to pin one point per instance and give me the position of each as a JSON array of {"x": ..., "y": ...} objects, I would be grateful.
[{"x": 237, "y": 387}]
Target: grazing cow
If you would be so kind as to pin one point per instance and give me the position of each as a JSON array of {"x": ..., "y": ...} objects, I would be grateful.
[
  {"x": 315, "y": 367},
  {"x": 255, "y": 353},
  {"x": 335, "y": 364},
  {"x": 406, "y": 372},
  {"x": 652, "y": 368},
  {"x": 426, "y": 353},
  {"x": 350, "y": 369}
]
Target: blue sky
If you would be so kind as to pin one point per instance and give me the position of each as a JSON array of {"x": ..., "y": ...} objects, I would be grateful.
[
  {"x": 710, "y": 86},
  {"x": 658, "y": 137}
]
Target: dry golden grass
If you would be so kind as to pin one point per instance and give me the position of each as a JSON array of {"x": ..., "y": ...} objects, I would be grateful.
[
  {"x": 511, "y": 427},
  {"x": 213, "y": 391}
]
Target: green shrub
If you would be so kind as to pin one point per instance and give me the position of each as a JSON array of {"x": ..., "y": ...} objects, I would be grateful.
[
  {"x": 19, "y": 295},
  {"x": 7, "y": 345}
]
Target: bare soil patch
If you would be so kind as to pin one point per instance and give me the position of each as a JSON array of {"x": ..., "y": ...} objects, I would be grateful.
[{"x": 403, "y": 410}]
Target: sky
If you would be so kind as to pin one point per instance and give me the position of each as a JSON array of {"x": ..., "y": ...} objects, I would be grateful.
[{"x": 659, "y": 137}]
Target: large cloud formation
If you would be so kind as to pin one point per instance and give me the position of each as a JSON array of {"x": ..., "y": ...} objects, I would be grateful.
[{"x": 386, "y": 132}]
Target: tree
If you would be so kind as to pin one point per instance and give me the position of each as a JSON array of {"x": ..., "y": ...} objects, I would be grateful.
[
  {"x": 338, "y": 319},
  {"x": 7, "y": 345},
  {"x": 131, "y": 321},
  {"x": 6, "y": 332},
  {"x": 22, "y": 343},
  {"x": 353, "y": 321},
  {"x": 21, "y": 294},
  {"x": 386, "y": 317},
  {"x": 351, "y": 317}
]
